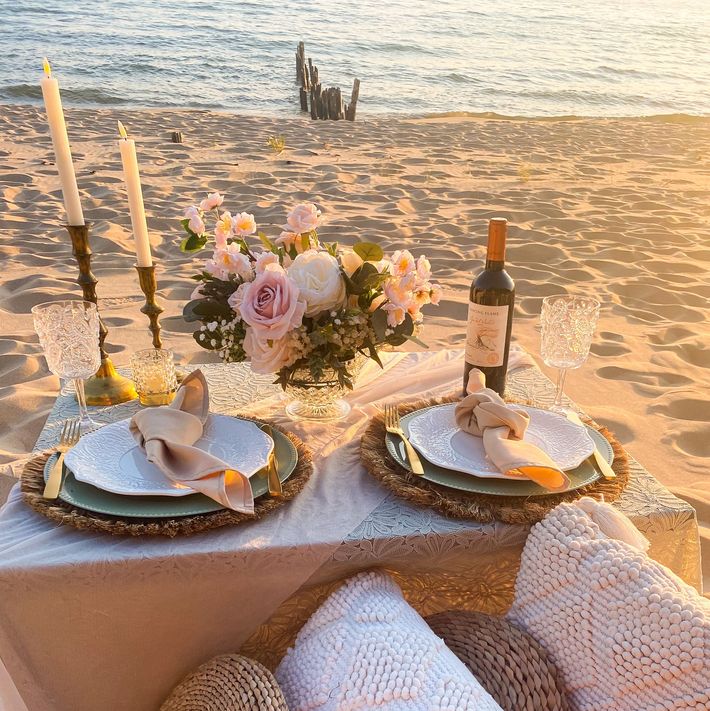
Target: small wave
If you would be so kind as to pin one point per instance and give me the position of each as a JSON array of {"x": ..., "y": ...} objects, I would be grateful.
[
  {"x": 22, "y": 91},
  {"x": 457, "y": 78},
  {"x": 660, "y": 118},
  {"x": 92, "y": 97}
]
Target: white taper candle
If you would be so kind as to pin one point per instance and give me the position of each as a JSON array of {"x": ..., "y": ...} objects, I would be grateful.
[
  {"x": 127, "y": 146},
  {"x": 62, "y": 151}
]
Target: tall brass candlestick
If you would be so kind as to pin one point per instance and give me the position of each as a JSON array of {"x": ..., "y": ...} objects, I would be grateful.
[
  {"x": 146, "y": 277},
  {"x": 107, "y": 386}
]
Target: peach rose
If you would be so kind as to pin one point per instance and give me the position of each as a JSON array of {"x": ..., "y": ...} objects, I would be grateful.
[
  {"x": 244, "y": 224},
  {"x": 223, "y": 229},
  {"x": 403, "y": 263},
  {"x": 351, "y": 261}
]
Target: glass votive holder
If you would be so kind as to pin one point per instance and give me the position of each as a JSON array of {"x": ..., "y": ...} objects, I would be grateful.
[{"x": 154, "y": 376}]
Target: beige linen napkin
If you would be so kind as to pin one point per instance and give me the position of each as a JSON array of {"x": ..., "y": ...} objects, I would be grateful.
[
  {"x": 484, "y": 413},
  {"x": 167, "y": 435}
]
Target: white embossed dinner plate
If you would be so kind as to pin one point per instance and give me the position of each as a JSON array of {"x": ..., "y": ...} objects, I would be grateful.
[
  {"x": 110, "y": 459},
  {"x": 434, "y": 433}
]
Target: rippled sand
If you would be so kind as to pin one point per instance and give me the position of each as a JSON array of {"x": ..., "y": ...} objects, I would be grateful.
[{"x": 616, "y": 208}]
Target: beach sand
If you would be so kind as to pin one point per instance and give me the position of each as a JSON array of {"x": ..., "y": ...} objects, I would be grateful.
[{"x": 614, "y": 208}]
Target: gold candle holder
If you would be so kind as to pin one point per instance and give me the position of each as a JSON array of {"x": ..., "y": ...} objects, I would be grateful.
[
  {"x": 107, "y": 386},
  {"x": 146, "y": 278}
]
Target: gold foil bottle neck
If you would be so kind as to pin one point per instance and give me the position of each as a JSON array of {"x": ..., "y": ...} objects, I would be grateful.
[{"x": 497, "y": 231}]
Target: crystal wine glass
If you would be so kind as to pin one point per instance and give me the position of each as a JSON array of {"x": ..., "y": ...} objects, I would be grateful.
[
  {"x": 69, "y": 334},
  {"x": 568, "y": 324}
]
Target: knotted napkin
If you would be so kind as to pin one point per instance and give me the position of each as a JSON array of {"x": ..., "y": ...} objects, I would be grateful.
[
  {"x": 167, "y": 435},
  {"x": 485, "y": 414}
]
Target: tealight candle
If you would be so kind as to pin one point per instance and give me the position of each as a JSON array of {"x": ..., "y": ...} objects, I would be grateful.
[
  {"x": 62, "y": 151},
  {"x": 132, "y": 177}
]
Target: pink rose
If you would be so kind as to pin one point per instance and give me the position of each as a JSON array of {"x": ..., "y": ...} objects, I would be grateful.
[
  {"x": 303, "y": 218},
  {"x": 435, "y": 295},
  {"x": 244, "y": 224},
  {"x": 211, "y": 201},
  {"x": 264, "y": 259},
  {"x": 196, "y": 223},
  {"x": 267, "y": 355},
  {"x": 235, "y": 300},
  {"x": 270, "y": 304}
]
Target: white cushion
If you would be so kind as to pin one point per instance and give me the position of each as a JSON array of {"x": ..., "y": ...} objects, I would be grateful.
[
  {"x": 366, "y": 648},
  {"x": 625, "y": 633}
]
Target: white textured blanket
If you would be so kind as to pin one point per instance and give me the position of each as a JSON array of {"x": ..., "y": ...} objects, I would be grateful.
[{"x": 625, "y": 632}]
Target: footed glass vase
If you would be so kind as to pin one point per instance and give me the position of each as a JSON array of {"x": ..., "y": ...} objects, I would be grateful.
[{"x": 320, "y": 400}]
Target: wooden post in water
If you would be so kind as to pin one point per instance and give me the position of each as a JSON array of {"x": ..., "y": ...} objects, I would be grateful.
[
  {"x": 352, "y": 106},
  {"x": 176, "y": 137},
  {"x": 304, "y": 99},
  {"x": 324, "y": 103},
  {"x": 300, "y": 56}
]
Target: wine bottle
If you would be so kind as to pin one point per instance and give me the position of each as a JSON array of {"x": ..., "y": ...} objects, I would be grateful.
[{"x": 490, "y": 313}]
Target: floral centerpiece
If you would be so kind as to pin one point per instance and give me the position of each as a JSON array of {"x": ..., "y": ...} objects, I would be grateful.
[{"x": 307, "y": 311}]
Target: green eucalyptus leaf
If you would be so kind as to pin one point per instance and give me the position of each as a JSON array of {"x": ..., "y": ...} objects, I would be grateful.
[
  {"x": 379, "y": 324},
  {"x": 193, "y": 243},
  {"x": 368, "y": 251},
  {"x": 414, "y": 339},
  {"x": 351, "y": 287},
  {"x": 268, "y": 244},
  {"x": 206, "y": 310}
]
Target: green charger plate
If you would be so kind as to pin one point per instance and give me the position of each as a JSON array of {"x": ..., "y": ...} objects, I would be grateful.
[
  {"x": 586, "y": 473},
  {"x": 88, "y": 497}
]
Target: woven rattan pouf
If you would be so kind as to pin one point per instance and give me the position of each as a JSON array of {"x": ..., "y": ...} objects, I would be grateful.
[
  {"x": 227, "y": 683},
  {"x": 509, "y": 663}
]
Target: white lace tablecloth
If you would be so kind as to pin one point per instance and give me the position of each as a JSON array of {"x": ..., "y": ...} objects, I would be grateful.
[{"x": 89, "y": 621}]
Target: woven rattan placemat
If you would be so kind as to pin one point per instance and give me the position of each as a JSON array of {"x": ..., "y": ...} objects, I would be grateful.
[
  {"x": 484, "y": 508},
  {"x": 60, "y": 511}
]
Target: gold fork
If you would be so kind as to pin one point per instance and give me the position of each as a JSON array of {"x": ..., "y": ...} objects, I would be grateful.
[
  {"x": 392, "y": 425},
  {"x": 69, "y": 437},
  {"x": 272, "y": 471}
]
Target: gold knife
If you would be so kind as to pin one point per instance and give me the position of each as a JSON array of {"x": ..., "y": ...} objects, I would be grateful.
[
  {"x": 272, "y": 472},
  {"x": 604, "y": 466}
]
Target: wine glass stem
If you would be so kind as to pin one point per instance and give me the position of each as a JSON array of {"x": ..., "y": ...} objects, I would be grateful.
[
  {"x": 84, "y": 419},
  {"x": 561, "y": 375}
]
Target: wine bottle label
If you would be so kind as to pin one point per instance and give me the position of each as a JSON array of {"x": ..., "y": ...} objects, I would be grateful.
[{"x": 485, "y": 336}]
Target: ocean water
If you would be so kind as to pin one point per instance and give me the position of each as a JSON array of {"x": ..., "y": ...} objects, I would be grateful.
[{"x": 532, "y": 58}]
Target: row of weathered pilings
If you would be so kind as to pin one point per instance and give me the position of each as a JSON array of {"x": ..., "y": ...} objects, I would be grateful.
[{"x": 325, "y": 103}]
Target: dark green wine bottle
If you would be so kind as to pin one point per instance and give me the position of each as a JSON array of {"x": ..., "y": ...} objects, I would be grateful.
[{"x": 490, "y": 314}]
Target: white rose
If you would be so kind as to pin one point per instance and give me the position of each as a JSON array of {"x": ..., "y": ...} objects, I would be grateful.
[
  {"x": 318, "y": 277},
  {"x": 351, "y": 261}
]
